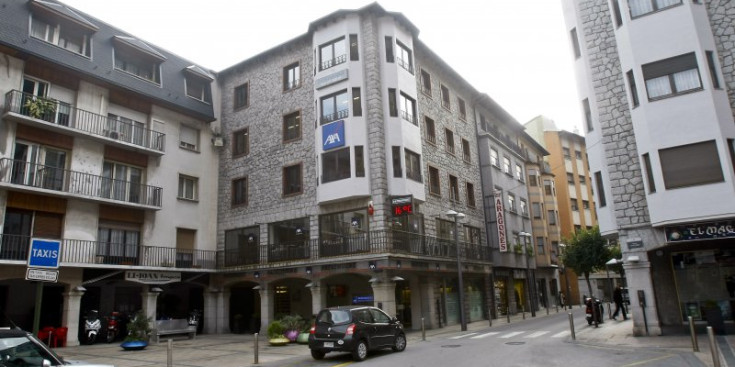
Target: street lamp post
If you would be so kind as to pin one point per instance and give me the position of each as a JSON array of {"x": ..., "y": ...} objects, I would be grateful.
[
  {"x": 457, "y": 216},
  {"x": 566, "y": 280},
  {"x": 531, "y": 282}
]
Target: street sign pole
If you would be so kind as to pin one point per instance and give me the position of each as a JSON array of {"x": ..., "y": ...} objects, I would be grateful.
[
  {"x": 44, "y": 254},
  {"x": 37, "y": 312}
]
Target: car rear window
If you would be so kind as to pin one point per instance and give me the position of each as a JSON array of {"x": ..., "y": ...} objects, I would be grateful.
[{"x": 334, "y": 316}]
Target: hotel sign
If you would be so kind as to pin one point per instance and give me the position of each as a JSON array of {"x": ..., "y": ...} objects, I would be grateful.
[
  {"x": 330, "y": 79},
  {"x": 701, "y": 231},
  {"x": 500, "y": 218},
  {"x": 152, "y": 277}
]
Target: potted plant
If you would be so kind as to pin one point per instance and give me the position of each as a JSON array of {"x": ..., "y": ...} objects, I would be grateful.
[
  {"x": 292, "y": 325},
  {"x": 38, "y": 107},
  {"x": 139, "y": 329},
  {"x": 275, "y": 334},
  {"x": 303, "y": 337}
]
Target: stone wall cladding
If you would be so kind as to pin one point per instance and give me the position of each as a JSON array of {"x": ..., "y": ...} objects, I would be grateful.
[
  {"x": 268, "y": 154},
  {"x": 621, "y": 152},
  {"x": 722, "y": 18}
]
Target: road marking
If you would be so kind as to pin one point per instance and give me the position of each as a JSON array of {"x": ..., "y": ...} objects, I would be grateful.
[
  {"x": 343, "y": 364},
  {"x": 561, "y": 334},
  {"x": 462, "y": 336},
  {"x": 510, "y": 335},
  {"x": 649, "y": 360},
  {"x": 536, "y": 334},
  {"x": 485, "y": 335}
]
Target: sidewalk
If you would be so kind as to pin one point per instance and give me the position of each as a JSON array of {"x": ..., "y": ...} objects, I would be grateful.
[{"x": 235, "y": 350}]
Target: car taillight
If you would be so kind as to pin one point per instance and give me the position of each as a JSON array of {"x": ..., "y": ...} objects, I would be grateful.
[
  {"x": 313, "y": 329},
  {"x": 350, "y": 329}
]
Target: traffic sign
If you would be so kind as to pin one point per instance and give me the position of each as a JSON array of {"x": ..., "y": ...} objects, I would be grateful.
[
  {"x": 44, "y": 253},
  {"x": 43, "y": 275}
]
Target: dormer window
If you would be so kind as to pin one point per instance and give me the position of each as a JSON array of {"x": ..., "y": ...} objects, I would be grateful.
[
  {"x": 137, "y": 58},
  {"x": 198, "y": 84},
  {"x": 58, "y": 25}
]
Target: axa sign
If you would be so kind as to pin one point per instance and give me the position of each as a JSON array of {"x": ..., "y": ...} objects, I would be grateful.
[{"x": 333, "y": 135}]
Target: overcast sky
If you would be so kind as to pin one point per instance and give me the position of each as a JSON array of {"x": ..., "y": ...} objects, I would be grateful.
[{"x": 515, "y": 51}]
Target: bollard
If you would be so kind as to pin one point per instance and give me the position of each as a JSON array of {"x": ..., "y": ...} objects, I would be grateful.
[
  {"x": 255, "y": 349},
  {"x": 695, "y": 344},
  {"x": 507, "y": 313},
  {"x": 713, "y": 347},
  {"x": 490, "y": 316},
  {"x": 609, "y": 310},
  {"x": 547, "y": 311},
  {"x": 557, "y": 308},
  {"x": 423, "y": 330},
  {"x": 571, "y": 326},
  {"x": 170, "y": 353},
  {"x": 523, "y": 310}
]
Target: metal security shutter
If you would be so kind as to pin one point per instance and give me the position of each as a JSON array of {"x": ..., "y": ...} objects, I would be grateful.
[{"x": 47, "y": 225}]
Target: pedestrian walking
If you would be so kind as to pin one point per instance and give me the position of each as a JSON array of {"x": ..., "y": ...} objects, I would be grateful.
[{"x": 618, "y": 298}]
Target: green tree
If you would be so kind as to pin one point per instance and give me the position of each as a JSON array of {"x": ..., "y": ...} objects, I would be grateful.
[{"x": 587, "y": 252}]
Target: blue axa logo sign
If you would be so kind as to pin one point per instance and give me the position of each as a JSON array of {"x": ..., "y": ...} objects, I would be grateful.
[{"x": 333, "y": 135}]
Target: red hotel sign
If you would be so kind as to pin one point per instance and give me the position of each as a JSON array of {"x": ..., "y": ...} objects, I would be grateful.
[{"x": 500, "y": 220}]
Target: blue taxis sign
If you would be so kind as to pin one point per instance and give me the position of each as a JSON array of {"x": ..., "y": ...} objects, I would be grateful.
[{"x": 44, "y": 253}]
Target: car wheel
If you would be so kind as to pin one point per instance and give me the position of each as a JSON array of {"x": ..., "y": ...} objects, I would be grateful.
[
  {"x": 400, "y": 343},
  {"x": 317, "y": 354},
  {"x": 360, "y": 351}
]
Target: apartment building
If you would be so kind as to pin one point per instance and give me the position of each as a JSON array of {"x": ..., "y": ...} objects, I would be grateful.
[
  {"x": 106, "y": 154},
  {"x": 655, "y": 82}
]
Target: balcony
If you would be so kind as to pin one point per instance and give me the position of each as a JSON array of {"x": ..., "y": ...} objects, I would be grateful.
[
  {"x": 326, "y": 64},
  {"x": 329, "y": 117},
  {"x": 56, "y": 181},
  {"x": 405, "y": 64},
  {"x": 58, "y": 116},
  {"x": 80, "y": 252}
]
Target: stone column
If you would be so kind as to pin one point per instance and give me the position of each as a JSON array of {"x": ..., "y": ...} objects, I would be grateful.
[
  {"x": 384, "y": 293},
  {"x": 639, "y": 278},
  {"x": 212, "y": 312},
  {"x": 223, "y": 318},
  {"x": 70, "y": 316},
  {"x": 149, "y": 305},
  {"x": 266, "y": 306},
  {"x": 426, "y": 305},
  {"x": 318, "y": 297}
]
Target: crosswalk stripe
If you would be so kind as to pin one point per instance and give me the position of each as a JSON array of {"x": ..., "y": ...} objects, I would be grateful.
[
  {"x": 561, "y": 334},
  {"x": 462, "y": 336},
  {"x": 485, "y": 335},
  {"x": 510, "y": 335},
  {"x": 536, "y": 334}
]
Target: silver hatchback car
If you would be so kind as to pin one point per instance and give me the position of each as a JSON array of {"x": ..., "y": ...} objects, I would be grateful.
[{"x": 19, "y": 348}]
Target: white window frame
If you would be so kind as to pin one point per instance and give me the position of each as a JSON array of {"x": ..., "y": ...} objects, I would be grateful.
[
  {"x": 188, "y": 138},
  {"x": 188, "y": 188}
]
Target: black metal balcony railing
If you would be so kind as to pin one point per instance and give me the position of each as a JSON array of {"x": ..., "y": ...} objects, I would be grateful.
[
  {"x": 405, "y": 64},
  {"x": 23, "y": 173},
  {"x": 60, "y": 113},
  {"x": 326, "y": 64},
  {"x": 408, "y": 116},
  {"x": 341, "y": 114}
]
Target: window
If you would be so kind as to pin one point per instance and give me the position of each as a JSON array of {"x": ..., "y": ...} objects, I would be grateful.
[
  {"x": 392, "y": 103},
  {"x": 582, "y": 180},
  {"x": 633, "y": 88},
  {"x": 587, "y": 114},
  {"x": 570, "y": 178},
  {"x": 198, "y": 88},
  {"x": 242, "y": 96},
  {"x": 616, "y": 12},
  {"x": 332, "y": 53},
  {"x": 119, "y": 181},
  {"x": 643, "y": 7},
  {"x": 712, "y": 69},
  {"x": 240, "y": 191},
  {"x": 462, "y": 109},
  {"x": 404, "y": 58},
  {"x": 335, "y": 106},
  {"x": 519, "y": 172},
  {"x": 291, "y": 76},
  {"x": 38, "y": 165},
  {"x": 466, "y": 150},
  {"x": 119, "y": 240},
  {"x": 567, "y": 153},
  {"x": 356, "y": 102},
  {"x": 430, "y": 130},
  {"x": 731, "y": 148},
  {"x": 549, "y": 187},
  {"x": 600, "y": 190},
  {"x": 63, "y": 34},
  {"x": 536, "y": 210},
  {"x": 533, "y": 178},
  {"x": 397, "y": 168},
  {"x": 188, "y": 188},
  {"x": 449, "y": 135},
  {"x": 292, "y": 180},
  {"x": 506, "y": 166},
  {"x": 575, "y": 43},
  {"x": 292, "y": 127},
  {"x": 574, "y": 204},
  {"x": 578, "y": 155},
  {"x": 408, "y": 109},
  {"x": 585, "y": 204},
  {"x": 524, "y": 207},
  {"x": 125, "y": 129},
  {"x": 470, "y": 194},
  {"x": 691, "y": 165},
  {"x": 512, "y": 203},
  {"x": 389, "y": 49},
  {"x": 336, "y": 165},
  {"x": 540, "y": 246},
  {"x": 413, "y": 165},
  {"x": 130, "y": 59},
  {"x": 354, "y": 48},
  {"x": 188, "y": 138},
  {"x": 445, "y": 97},
  {"x": 426, "y": 82},
  {"x": 454, "y": 188},
  {"x": 494, "y": 157},
  {"x": 672, "y": 76},
  {"x": 434, "y": 185},
  {"x": 359, "y": 161},
  {"x": 552, "y": 217},
  {"x": 240, "y": 142}
]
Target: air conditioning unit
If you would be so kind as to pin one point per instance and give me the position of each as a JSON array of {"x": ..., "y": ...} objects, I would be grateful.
[
  {"x": 217, "y": 141},
  {"x": 113, "y": 135}
]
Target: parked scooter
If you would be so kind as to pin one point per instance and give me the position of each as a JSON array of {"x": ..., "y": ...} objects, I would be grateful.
[
  {"x": 114, "y": 323},
  {"x": 92, "y": 326},
  {"x": 593, "y": 310},
  {"x": 194, "y": 317}
]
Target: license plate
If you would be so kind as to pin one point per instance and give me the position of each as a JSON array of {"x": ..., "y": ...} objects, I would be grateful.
[{"x": 328, "y": 344}]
